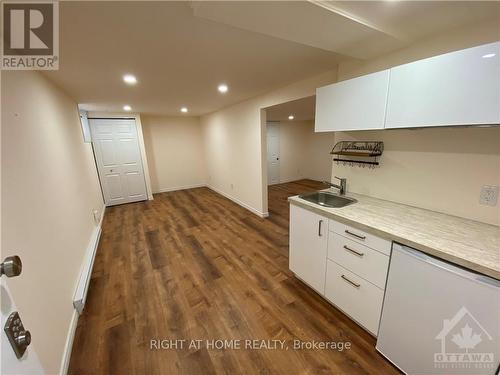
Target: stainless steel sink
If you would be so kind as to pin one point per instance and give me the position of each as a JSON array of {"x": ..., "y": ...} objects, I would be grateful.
[{"x": 327, "y": 199}]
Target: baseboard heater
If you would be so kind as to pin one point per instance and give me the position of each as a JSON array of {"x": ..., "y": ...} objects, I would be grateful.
[{"x": 86, "y": 272}]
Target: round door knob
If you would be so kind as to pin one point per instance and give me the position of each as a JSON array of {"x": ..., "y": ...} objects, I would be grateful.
[
  {"x": 24, "y": 338},
  {"x": 11, "y": 266}
]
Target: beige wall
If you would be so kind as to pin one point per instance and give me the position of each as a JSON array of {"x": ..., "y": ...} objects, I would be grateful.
[
  {"x": 293, "y": 149},
  {"x": 319, "y": 158},
  {"x": 304, "y": 153},
  {"x": 439, "y": 169},
  {"x": 235, "y": 143},
  {"x": 49, "y": 190},
  {"x": 174, "y": 151}
]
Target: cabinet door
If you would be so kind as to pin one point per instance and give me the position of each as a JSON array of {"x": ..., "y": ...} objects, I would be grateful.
[
  {"x": 355, "y": 104},
  {"x": 458, "y": 88},
  {"x": 308, "y": 246}
]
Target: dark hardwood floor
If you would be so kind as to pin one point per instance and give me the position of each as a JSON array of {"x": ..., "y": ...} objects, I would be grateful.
[{"x": 194, "y": 265}]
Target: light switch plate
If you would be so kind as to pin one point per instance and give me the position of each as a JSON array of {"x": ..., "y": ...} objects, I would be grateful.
[{"x": 489, "y": 195}]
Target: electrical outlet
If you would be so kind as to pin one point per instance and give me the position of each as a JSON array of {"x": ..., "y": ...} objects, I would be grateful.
[
  {"x": 489, "y": 195},
  {"x": 232, "y": 186}
]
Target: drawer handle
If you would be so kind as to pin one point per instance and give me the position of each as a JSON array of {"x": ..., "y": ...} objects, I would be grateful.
[
  {"x": 354, "y": 251},
  {"x": 319, "y": 228},
  {"x": 351, "y": 282},
  {"x": 355, "y": 235}
]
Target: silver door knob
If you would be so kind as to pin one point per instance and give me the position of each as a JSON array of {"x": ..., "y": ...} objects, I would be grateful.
[{"x": 11, "y": 266}]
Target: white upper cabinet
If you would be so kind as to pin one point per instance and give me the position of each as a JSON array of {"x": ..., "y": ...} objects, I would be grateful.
[
  {"x": 458, "y": 88},
  {"x": 355, "y": 104}
]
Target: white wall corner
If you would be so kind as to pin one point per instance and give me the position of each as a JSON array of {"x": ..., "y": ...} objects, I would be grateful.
[
  {"x": 144, "y": 158},
  {"x": 263, "y": 161}
]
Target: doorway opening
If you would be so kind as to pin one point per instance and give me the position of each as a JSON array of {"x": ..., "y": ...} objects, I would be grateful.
[{"x": 297, "y": 158}]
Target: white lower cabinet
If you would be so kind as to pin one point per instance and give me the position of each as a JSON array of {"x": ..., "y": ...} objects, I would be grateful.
[
  {"x": 355, "y": 296},
  {"x": 346, "y": 265},
  {"x": 356, "y": 273},
  {"x": 370, "y": 264},
  {"x": 362, "y": 237},
  {"x": 308, "y": 246}
]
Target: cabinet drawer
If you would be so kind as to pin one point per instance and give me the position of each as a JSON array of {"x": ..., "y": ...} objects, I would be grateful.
[
  {"x": 363, "y": 261},
  {"x": 355, "y": 296},
  {"x": 361, "y": 237}
]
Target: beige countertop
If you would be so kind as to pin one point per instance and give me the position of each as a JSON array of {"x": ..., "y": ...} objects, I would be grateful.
[{"x": 467, "y": 243}]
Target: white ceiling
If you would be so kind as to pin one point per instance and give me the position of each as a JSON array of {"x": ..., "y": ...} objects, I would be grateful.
[
  {"x": 410, "y": 21},
  {"x": 302, "y": 110},
  {"x": 181, "y": 51},
  {"x": 359, "y": 29},
  {"x": 178, "y": 59}
]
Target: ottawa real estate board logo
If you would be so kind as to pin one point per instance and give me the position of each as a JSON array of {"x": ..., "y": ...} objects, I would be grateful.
[
  {"x": 30, "y": 36},
  {"x": 466, "y": 345}
]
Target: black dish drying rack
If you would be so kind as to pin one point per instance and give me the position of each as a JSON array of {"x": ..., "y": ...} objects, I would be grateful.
[{"x": 362, "y": 153}]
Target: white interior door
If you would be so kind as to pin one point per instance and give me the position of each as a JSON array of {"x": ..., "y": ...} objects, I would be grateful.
[
  {"x": 118, "y": 158},
  {"x": 273, "y": 153}
]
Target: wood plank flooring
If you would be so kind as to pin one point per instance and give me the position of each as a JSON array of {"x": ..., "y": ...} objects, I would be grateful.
[{"x": 193, "y": 265}]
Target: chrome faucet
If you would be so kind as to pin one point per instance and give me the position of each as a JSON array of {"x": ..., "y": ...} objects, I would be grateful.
[{"x": 341, "y": 187}]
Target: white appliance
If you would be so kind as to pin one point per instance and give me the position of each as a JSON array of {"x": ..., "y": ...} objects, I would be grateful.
[{"x": 438, "y": 318}]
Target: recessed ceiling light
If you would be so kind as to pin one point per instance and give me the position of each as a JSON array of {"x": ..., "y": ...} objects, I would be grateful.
[
  {"x": 184, "y": 110},
  {"x": 291, "y": 117},
  {"x": 488, "y": 55},
  {"x": 223, "y": 88},
  {"x": 127, "y": 108},
  {"x": 129, "y": 79}
]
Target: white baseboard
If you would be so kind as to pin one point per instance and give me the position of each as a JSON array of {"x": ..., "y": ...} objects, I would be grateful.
[
  {"x": 69, "y": 344},
  {"x": 292, "y": 179},
  {"x": 286, "y": 180},
  {"x": 242, "y": 204},
  {"x": 184, "y": 187}
]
